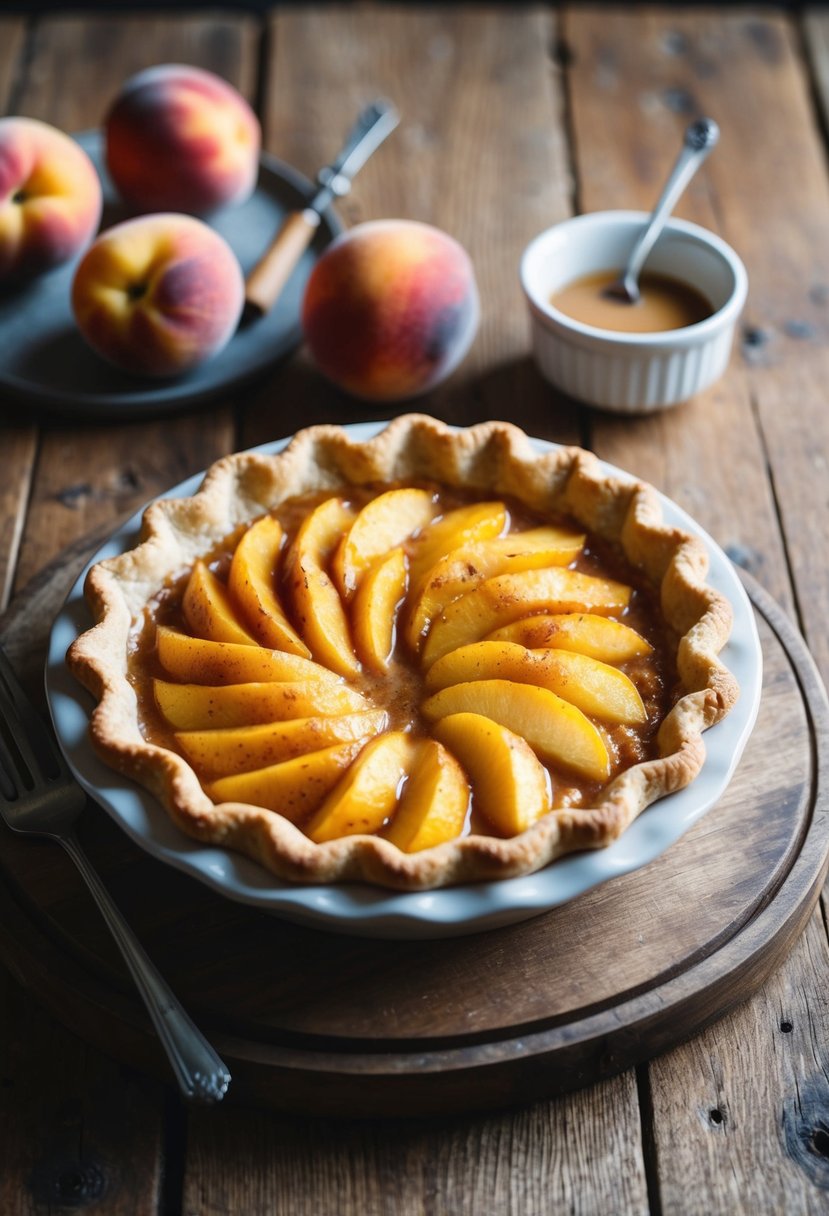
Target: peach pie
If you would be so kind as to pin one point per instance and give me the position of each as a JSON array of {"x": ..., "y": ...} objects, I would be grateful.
[{"x": 430, "y": 658}]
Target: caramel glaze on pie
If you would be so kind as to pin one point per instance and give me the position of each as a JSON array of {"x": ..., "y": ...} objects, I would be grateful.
[
  {"x": 400, "y": 692},
  {"x": 681, "y": 681}
]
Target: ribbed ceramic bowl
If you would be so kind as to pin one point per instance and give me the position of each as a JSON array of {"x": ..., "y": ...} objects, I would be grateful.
[{"x": 631, "y": 373}]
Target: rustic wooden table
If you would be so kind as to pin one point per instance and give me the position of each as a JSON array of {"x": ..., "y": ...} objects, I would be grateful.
[{"x": 513, "y": 119}]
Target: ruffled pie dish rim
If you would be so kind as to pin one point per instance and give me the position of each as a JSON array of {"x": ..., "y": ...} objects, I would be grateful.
[{"x": 494, "y": 458}]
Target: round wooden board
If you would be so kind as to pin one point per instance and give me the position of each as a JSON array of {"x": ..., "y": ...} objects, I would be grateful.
[{"x": 320, "y": 1023}]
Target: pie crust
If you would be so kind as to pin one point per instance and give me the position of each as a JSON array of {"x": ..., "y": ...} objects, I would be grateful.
[{"x": 493, "y": 459}]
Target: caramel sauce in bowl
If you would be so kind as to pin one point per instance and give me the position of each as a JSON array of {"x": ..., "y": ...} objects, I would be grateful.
[
  {"x": 664, "y": 303},
  {"x": 615, "y": 366}
]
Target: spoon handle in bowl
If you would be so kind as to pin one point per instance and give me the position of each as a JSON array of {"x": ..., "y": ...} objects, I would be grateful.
[{"x": 700, "y": 139}]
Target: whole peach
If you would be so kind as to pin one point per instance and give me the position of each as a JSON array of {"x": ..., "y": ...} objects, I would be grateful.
[
  {"x": 158, "y": 294},
  {"x": 50, "y": 198},
  {"x": 181, "y": 139},
  {"x": 390, "y": 309}
]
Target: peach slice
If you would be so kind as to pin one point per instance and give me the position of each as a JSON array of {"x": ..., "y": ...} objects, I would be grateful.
[
  {"x": 200, "y": 706},
  {"x": 383, "y": 524},
  {"x": 512, "y": 789},
  {"x": 434, "y": 803},
  {"x": 462, "y": 570},
  {"x": 503, "y": 599},
  {"x": 319, "y": 611},
  {"x": 464, "y": 526},
  {"x": 584, "y": 632},
  {"x": 375, "y": 608},
  {"x": 196, "y": 661},
  {"x": 252, "y": 582},
  {"x": 208, "y": 610},
  {"x": 597, "y": 689},
  {"x": 218, "y": 753},
  {"x": 294, "y": 788},
  {"x": 367, "y": 795},
  {"x": 556, "y": 731},
  {"x": 566, "y": 543}
]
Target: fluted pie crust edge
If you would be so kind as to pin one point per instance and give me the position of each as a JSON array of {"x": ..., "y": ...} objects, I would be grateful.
[{"x": 495, "y": 458}]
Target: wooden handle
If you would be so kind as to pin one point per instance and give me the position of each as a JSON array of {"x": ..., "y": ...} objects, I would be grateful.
[{"x": 265, "y": 282}]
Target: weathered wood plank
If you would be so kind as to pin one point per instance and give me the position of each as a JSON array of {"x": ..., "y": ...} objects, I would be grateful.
[
  {"x": 480, "y": 152},
  {"x": 741, "y": 1114},
  {"x": 636, "y": 81},
  {"x": 816, "y": 40},
  {"x": 792, "y": 403},
  {"x": 12, "y": 43},
  {"x": 76, "y": 1129},
  {"x": 581, "y": 1155},
  {"x": 18, "y": 439},
  {"x": 87, "y": 475},
  {"x": 72, "y": 1121}
]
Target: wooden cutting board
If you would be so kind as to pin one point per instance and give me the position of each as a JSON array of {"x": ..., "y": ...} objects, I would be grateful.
[{"x": 321, "y": 1023}]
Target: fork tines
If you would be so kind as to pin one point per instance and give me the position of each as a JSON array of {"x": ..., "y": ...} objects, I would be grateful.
[{"x": 27, "y": 753}]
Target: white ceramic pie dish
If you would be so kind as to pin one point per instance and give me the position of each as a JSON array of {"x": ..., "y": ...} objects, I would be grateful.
[
  {"x": 631, "y": 373},
  {"x": 374, "y": 912}
]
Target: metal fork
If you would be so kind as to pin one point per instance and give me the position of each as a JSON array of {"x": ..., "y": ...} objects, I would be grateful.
[{"x": 39, "y": 796}]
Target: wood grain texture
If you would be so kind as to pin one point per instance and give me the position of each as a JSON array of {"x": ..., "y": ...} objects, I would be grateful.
[
  {"x": 741, "y": 1114},
  {"x": 791, "y": 399},
  {"x": 88, "y": 475},
  {"x": 18, "y": 438},
  {"x": 78, "y": 1131},
  {"x": 636, "y": 81},
  {"x": 581, "y": 1156},
  {"x": 480, "y": 152},
  {"x": 816, "y": 42},
  {"x": 764, "y": 190}
]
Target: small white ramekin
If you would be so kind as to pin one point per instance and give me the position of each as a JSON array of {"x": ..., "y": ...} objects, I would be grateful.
[{"x": 631, "y": 373}]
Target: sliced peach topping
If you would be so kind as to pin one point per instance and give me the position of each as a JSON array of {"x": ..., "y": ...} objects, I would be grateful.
[
  {"x": 516, "y": 651},
  {"x": 382, "y": 524},
  {"x": 434, "y": 803},
  {"x": 208, "y": 610},
  {"x": 252, "y": 583},
  {"x": 462, "y": 570},
  {"x": 501, "y": 600},
  {"x": 196, "y": 661},
  {"x": 464, "y": 526},
  {"x": 238, "y": 749},
  {"x": 375, "y": 608},
  {"x": 596, "y": 688},
  {"x": 294, "y": 788},
  {"x": 319, "y": 611},
  {"x": 367, "y": 795},
  {"x": 512, "y": 788},
  {"x": 596, "y": 636},
  {"x": 557, "y": 731},
  {"x": 200, "y": 706}
]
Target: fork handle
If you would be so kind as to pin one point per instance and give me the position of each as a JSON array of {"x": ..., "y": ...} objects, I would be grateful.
[
  {"x": 201, "y": 1074},
  {"x": 264, "y": 284}
]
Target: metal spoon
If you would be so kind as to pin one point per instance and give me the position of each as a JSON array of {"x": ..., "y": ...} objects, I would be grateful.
[{"x": 700, "y": 138}]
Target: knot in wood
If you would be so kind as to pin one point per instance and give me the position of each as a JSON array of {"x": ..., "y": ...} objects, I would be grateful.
[
  {"x": 72, "y": 1184},
  {"x": 805, "y": 1127}
]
